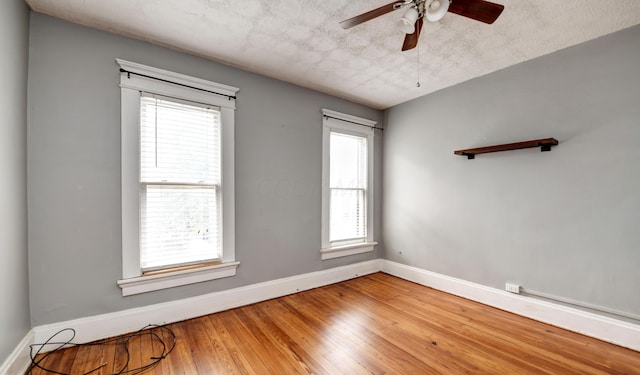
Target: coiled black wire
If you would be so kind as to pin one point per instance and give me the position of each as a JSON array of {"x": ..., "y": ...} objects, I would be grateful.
[{"x": 167, "y": 347}]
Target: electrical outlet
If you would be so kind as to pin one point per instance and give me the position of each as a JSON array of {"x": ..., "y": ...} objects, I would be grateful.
[{"x": 513, "y": 288}]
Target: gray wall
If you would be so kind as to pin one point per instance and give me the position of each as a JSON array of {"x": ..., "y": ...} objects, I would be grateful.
[
  {"x": 74, "y": 171},
  {"x": 14, "y": 293},
  {"x": 565, "y": 222}
]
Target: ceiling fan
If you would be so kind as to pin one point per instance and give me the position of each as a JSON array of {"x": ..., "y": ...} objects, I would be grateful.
[{"x": 432, "y": 10}]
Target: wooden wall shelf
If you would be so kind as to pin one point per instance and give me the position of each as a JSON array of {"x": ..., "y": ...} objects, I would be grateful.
[{"x": 544, "y": 144}]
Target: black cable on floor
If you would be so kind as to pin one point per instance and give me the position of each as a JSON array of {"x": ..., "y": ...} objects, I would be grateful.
[{"x": 167, "y": 347}]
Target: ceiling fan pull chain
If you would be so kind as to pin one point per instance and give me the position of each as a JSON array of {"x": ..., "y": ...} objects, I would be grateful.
[{"x": 418, "y": 50}]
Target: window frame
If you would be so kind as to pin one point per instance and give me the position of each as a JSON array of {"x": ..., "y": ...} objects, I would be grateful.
[
  {"x": 346, "y": 124},
  {"x": 173, "y": 85}
]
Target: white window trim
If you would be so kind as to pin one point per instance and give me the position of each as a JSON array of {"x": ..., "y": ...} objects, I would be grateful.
[
  {"x": 150, "y": 283},
  {"x": 348, "y": 124},
  {"x": 131, "y": 84}
]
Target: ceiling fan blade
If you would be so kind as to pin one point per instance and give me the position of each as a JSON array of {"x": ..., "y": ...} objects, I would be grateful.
[
  {"x": 479, "y": 10},
  {"x": 411, "y": 40},
  {"x": 364, "y": 17}
]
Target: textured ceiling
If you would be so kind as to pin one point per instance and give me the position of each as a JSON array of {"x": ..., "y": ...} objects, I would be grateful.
[{"x": 300, "y": 41}]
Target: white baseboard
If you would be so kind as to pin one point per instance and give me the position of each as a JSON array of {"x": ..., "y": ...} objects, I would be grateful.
[
  {"x": 603, "y": 328},
  {"x": 18, "y": 361},
  {"x": 117, "y": 323}
]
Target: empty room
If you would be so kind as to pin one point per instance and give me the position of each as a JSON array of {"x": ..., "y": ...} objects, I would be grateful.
[{"x": 320, "y": 187}]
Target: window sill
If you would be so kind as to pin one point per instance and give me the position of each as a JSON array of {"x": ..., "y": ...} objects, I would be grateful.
[
  {"x": 343, "y": 251},
  {"x": 143, "y": 284}
]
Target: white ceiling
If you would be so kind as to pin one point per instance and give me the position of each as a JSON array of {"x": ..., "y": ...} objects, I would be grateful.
[{"x": 300, "y": 41}]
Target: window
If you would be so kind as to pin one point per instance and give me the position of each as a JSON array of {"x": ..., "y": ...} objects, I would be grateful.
[
  {"x": 347, "y": 188},
  {"x": 177, "y": 179},
  {"x": 347, "y": 181},
  {"x": 179, "y": 183}
]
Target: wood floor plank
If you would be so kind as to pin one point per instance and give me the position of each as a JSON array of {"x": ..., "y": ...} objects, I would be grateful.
[
  {"x": 68, "y": 358},
  {"x": 226, "y": 361},
  {"x": 95, "y": 362},
  {"x": 108, "y": 357},
  {"x": 282, "y": 340},
  {"x": 181, "y": 357},
  {"x": 205, "y": 358},
  {"x": 236, "y": 360},
  {"x": 135, "y": 353},
  {"x": 120, "y": 356},
  {"x": 464, "y": 346},
  {"x": 246, "y": 345},
  {"x": 306, "y": 340},
  {"x": 498, "y": 336},
  {"x": 81, "y": 357},
  {"x": 149, "y": 349},
  {"x": 162, "y": 368},
  {"x": 341, "y": 336},
  {"x": 314, "y": 332},
  {"x": 383, "y": 330},
  {"x": 168, "y": 368},
  {"x": 533, "y": 339},
  {"x": 271, "y": 351},
  {"x": 52, "y": 362},
  {"x": 375, "y": 324}
]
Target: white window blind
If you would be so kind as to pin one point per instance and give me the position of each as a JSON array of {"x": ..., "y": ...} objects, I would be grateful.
[
  {"x": 180, "y": 206},
  {"x": 348, "y": 188}
]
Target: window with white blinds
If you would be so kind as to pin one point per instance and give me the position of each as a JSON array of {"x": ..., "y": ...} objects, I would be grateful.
[
  {"x": 177, "y": 179},
  {"x": 348, "y": 188},
  {"x": 180, "y": 215},
  {"x": 347, "y": 185}
]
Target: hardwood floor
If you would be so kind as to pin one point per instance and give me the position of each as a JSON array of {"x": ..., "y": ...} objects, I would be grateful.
[{"x": 376, "y": 324}]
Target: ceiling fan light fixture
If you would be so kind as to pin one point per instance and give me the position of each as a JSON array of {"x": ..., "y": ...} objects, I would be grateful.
[
  {"x": 436, "y": 9},
  {"x": 408, "y": 21}
]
